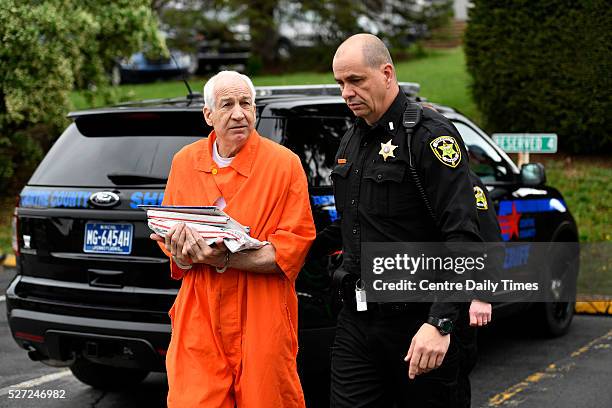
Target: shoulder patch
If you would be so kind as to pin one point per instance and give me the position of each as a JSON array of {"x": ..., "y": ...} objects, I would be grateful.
[
  {"x": 481, "y": 199},
  {"x": 446, "y": 149}
]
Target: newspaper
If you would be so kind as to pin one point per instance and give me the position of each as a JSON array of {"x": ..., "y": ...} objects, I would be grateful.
[{"x": 210, "y": 222}]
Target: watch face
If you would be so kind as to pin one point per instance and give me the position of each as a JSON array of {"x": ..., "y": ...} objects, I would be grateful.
[{"x": 446, "y": 325}]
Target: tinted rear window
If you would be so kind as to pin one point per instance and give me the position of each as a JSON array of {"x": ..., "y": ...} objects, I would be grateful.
[
  {"x": 313, "y": 132},
  {"x": 91, "y": 150}
]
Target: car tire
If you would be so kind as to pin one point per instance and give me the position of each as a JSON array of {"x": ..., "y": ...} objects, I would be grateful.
[
  {"x": 105, "y": 377},
  {"x": 554, "y": 318}
]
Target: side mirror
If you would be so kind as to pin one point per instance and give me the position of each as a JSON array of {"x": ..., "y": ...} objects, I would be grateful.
[{"x": 533, "y": 174}]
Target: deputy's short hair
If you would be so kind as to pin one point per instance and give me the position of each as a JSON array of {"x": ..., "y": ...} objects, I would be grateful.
[{"x": 375, "y": 52}]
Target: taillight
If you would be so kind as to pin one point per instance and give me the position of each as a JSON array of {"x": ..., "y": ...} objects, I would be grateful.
[
  {"x": 15, "y": 228},
  {"x": 29, "y": 336}
]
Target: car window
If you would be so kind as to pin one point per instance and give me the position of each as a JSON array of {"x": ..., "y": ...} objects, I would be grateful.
[
  {"x": 313, "y": 132},
  {"x": 484, "y": 160},
  {"x": 78, "y": 160},
  {"x": 316, "y": 141}
]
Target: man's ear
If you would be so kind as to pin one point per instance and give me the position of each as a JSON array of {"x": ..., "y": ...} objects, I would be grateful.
[
  {"x": 207, "y": 113},
  {"x": 389, "y": 74}
]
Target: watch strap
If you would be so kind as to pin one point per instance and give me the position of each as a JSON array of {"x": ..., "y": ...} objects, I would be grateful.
[{"x": 444, "y": 326}]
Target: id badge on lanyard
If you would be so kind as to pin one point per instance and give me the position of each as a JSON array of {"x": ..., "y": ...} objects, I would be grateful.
[{"x": 360, "y": 297}]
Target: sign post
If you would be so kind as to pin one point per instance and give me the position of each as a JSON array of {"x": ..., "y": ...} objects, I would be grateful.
[{"x": 525, "y": 143}]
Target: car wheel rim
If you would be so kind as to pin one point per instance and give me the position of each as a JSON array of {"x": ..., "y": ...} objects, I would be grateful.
[{"x": 561, "y": 311}]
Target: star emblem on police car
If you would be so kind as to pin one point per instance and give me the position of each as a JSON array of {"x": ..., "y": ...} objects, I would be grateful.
[{"x": 386, "y": 150}]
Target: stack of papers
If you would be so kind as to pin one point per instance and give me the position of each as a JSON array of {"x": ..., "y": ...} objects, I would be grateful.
[{"x": 210, "y": 222}]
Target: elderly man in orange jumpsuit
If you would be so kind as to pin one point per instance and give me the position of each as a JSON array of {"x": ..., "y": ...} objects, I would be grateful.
[{"x": 234, "y": 320}]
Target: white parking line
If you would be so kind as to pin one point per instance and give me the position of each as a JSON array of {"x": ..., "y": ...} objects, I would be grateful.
[
  {"x": 36, "y": 381},
  {"x": 2, "y": 298}
]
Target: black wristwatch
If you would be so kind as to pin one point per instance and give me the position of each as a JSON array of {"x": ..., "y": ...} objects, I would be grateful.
[{"x": 444, "y": 326}]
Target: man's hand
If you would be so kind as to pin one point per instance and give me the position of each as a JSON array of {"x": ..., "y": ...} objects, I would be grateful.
[
  {"x": 156, "y": 237},
  {"x": 175, "y": 238},
  {"x": 480, "y": 313},
  {"x": 173, "y": 241},
  {"x": 188, "y": 247},
  {"x": 427, "y": 350},
  {"x": 195, "y": 250},
  {"x": 169, "y": 235}
]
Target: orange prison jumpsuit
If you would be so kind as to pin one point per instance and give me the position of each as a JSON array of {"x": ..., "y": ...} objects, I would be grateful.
[{"x": 234, "y": 334}]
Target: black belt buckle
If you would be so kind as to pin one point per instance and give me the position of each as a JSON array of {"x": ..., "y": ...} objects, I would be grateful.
[
  {"x": 390, "y": 308},
  {"x": 347, "y": 298},
  {"x": 344, "y": 287}
]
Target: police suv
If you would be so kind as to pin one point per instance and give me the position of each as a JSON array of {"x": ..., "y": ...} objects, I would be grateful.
[{"x": 92, "y": 291}]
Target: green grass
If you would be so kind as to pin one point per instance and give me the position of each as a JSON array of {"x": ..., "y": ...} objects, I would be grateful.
[
  {"x": 442, "y": 76},
  {"x": 595, "y": 276},
  {"x": 585, "y": 185},
  {"x": 6, "y": 212}
]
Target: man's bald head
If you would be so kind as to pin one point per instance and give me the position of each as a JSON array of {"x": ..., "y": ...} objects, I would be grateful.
[
  {"x": 364, "y": 70},
  {"x": 374, "y": 51}
]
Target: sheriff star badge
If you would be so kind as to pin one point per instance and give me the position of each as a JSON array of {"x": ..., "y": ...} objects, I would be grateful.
[{"x": 386, "y": 150}]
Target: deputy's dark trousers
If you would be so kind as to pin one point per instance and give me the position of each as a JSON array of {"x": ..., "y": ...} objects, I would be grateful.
[
  {"x": 368, "y": 367},
  {"x": 467, "y": 345}
]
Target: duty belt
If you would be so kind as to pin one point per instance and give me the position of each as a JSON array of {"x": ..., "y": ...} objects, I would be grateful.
[{"x": 346, "y": 285}]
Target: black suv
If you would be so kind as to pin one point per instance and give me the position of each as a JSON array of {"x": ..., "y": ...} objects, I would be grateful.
[{"x": 93, "y": 291}]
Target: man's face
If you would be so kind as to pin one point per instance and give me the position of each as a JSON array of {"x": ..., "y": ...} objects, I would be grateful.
[
  {"x": 363, "y": 88},
  {"x": 234, "y": 115}
]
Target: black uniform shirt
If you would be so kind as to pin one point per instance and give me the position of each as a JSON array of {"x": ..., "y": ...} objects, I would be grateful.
[{"x": 377, "y": 200}]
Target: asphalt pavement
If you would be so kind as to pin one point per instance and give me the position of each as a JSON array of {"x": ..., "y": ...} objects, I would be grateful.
[{"x": 516, "y": 369}]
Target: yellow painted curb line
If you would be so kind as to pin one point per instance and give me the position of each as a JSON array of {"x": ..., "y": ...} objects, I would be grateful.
[
  {"x": 555, "y": 370},
  {"x": 9, "y": 261},
  {"x": 594, "y": 307}
]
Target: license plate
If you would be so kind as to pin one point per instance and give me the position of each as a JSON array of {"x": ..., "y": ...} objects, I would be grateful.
[{"x": 108, "y": 238}]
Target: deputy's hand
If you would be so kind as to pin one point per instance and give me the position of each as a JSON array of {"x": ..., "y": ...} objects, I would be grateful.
[
  {"x": 480, "y": 313},
  {"x": 427, "y": 350},
  {"x": 195, "y": 249}
]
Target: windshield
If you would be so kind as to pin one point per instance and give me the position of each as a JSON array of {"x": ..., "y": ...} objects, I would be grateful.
[{"x": 484, "y": 160}]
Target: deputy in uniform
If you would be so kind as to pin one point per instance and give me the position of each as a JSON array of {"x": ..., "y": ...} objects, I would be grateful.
[{"x": 393, "y": 353}]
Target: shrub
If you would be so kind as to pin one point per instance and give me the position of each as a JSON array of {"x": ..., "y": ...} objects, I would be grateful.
[
  {"x": 49, "y": 48},
  {"x": 543, "y": 66}
]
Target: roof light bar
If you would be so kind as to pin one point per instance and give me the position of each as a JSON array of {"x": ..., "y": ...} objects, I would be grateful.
[{"x": 409, "y": 88}]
